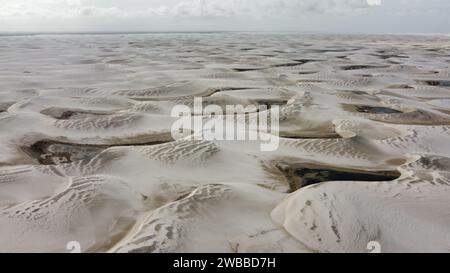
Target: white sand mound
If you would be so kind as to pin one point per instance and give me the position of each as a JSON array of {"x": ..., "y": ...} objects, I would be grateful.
[{"x": 406, "y": 215}]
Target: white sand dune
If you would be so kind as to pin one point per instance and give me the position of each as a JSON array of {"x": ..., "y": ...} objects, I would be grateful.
[
  {"x": 86, "y": 152},
  {"x": 406, "y": 215}
]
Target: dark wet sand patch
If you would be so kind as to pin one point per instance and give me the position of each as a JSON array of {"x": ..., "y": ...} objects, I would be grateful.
[
  {"x": 438, "y": 83},
  {"x": 376, "y": 110},
  {"x": 399, "y": 86},
  {"x": 361, "y": 67},
  {"x": 5, "y": 105},
  {"x": 293, "y": 64},
  {"x": 367, "y": 109},
  {"x": 287, "y": 65},
  {"x": 305, "y": 61},
  {"x": 48, "y": 152},
  {"x": 247, "y": 69},
  {"x": 270, "y": 102},
  {"x": 389, "y": 56},
  {"x": 307, "y": 72},
  {"x": 59, "y": 113},
  {"x": 299, "y": 175},
  {"x": 310, "y": 176},
  {"x": 330, "y": 135}
]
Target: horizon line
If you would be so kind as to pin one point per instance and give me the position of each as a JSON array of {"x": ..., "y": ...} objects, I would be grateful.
[{"x": 100, "y": 32}]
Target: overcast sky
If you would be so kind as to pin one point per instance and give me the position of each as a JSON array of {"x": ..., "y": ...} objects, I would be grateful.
[{"x": 362, "y": 16}]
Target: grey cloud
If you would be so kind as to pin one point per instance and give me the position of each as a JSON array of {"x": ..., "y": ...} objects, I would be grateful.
[
  {"x": 186, "y": 8},
  {"x": 303, "y": 15},
  {"x": 220, "y": 8}
]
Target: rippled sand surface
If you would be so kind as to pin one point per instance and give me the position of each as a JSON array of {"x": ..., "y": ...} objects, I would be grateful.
[{"x": 86, "y": 152}]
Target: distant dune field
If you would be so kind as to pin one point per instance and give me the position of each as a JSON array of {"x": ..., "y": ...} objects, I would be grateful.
[{"x": 87, "y": 154}]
